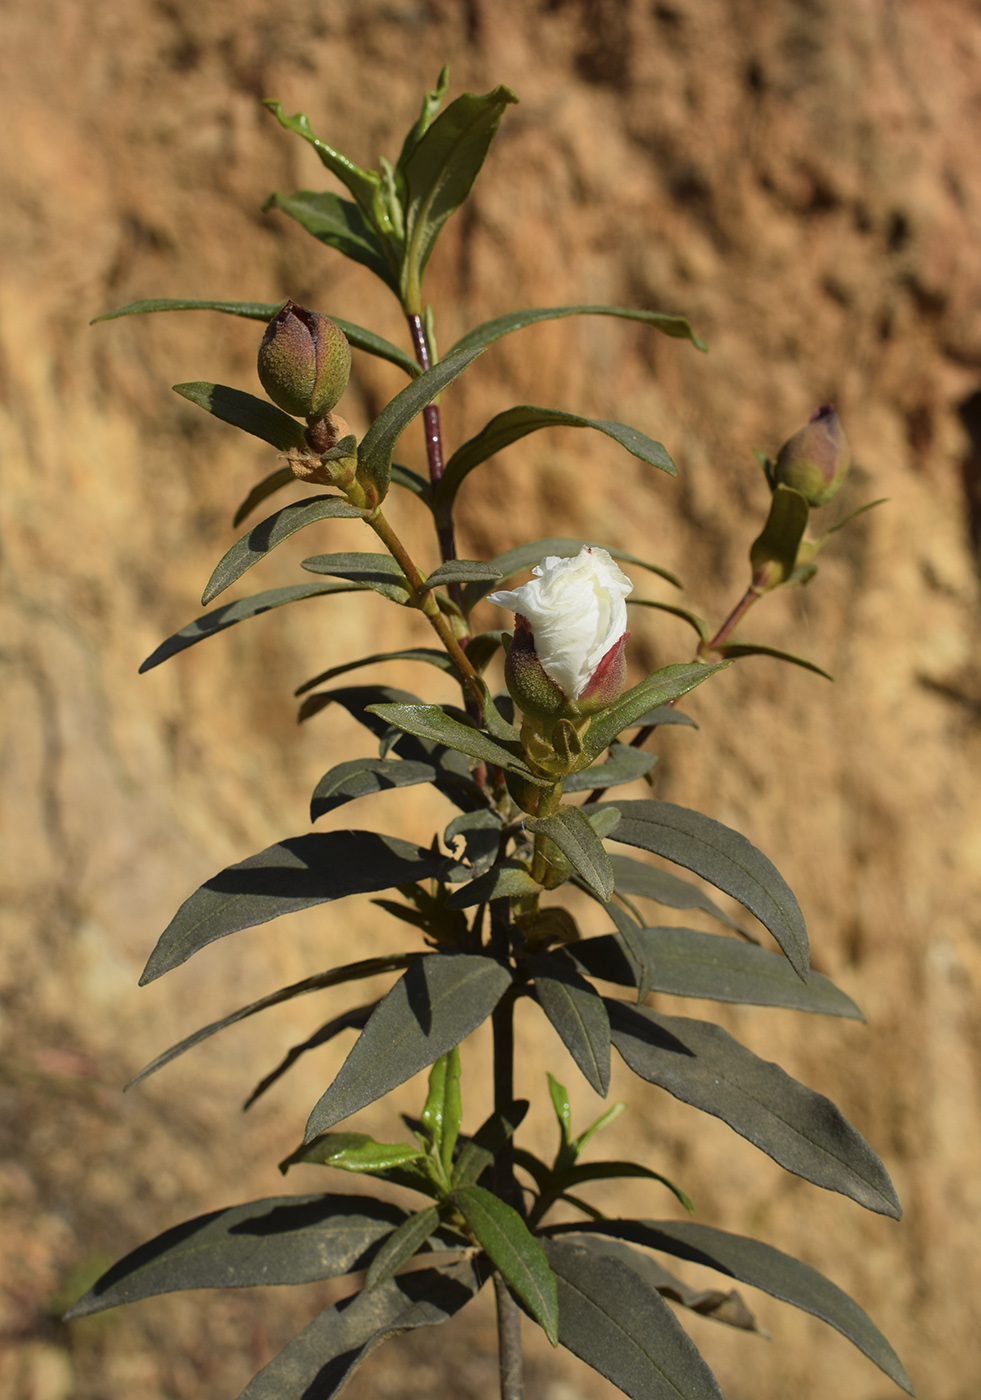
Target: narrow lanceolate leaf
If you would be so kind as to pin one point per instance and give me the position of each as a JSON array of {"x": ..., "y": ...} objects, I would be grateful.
[
  {"x": 267, "y": 487},
  {"x": 379, "y": 572},
  {"x": 438, "y": 1002},
  {"x": 439, "y": 173},
  {"x": 648, "y": 882},
  {"x": 360, "y": 777},
  {"x": 490, "y": 331},
  {"x": 670, "y": 683},
  {"x": 319, "y": 1362},
  {"x": 378, "y": 444},
  {"x": 401, "y": 1244},
  {"x": 761, "y": 1266},
  {"x": 284, "y": 878},
  {"x": 353, "y": 1152},
  {"x": 362, "y": 184},
  {"x": 273, "y": 531},
  {"x": 578, "y": 1175},
  {"x": 702, "y": 1065},
  {"x": 726, "y": 860},
  {"x": 460, "y": 571},
  {"x": 733, "y": 650},
  {"x": 339, "y": 224},
  {"x": 578, "y": 1016},
  {"x": 508, "y": 879},
  {"x": 283, "y": 1239},
  {"x": 620, "y": 1325},
  {"x": 517, "y": 423},
  {"x": 230, "y": 613},
  {"x": 351, "y": 972},
  {"x": 429, "y": 722},
  {"x": 256, "y": 416},
  {"x": 432, "y": 656},
  {"x": 514, "y": 1251},
  {"x": 412, "y": 481},
  {"x": 685, "y": 962},
  {"x": 569, "y": 828},
  {"x": 692, "y": 618},
  {"x": 526, "y": 556},
  {"x": 623, "y": 766}
]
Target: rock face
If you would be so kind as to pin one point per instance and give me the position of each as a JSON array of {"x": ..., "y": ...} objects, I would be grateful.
[{"x": 801, "y": 179}]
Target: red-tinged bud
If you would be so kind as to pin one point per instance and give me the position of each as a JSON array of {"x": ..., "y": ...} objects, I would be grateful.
[
  {"x": 606, "y": 683},
  {"x": 815, "y": 461},
  {"x": 304, "y": 362},
  {"x": 529, "y": 684}
]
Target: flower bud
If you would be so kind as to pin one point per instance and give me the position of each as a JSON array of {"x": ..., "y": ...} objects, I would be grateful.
[
  {"x": 815, "y": 461},
  {"x": 304, "y": 362}
]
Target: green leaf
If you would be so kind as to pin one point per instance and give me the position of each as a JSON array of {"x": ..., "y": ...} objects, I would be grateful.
[
  {"x": 412, "y": 481},
  {"x": 617, "y": 1323},
  {"x": 526, "y": 556},
  {"x": 514, "y": 1251},
  {"x": 685, "y": 962},
  {"x": 578, "y": 1017},
  {"x": 569, "y": 828},
  {"x": 272, "y": 531},
  {"x": 282, "y": 1239},
  {"x": 490, "y": 331},
  {"x": 700, "y": 1064},
  {"x": 443, "y": 1111},
  {"x": 230, "y": 613},
  {"x": 439, "y": 1001},
  {"x": 379, "y": 572},
  {"x": 661, "y": 714},
  {"x": 364, "y": 185},
  {"x": 508, "y": 879},
  {"x": 402, "y": 1244},
  {"x": 360, "y": 777},
  {"x": 559, "y": 1096},
  {"x": 339, "y": 224},
  {"x": 432, "y": 656},
  {"x": 431, "y": 103},
  {"x": 439, "y": 173},
  {"x": 353, "y": 1152},
  {"x": 648, "y": 882},
  {"x": 733, "y": 650},
  {"x": 319, "y": 1362},
  {"x": 780, "y": 538},
  {"x": 478, "y": 1154},
  {"x": 579, "y": 1174},
  {"x": 516, "y": 423},
  {"x": 481, "y": 835},
  {"x": 692, "y": 618},
  {"x": 725, "y": 859},
  {"x": 350, "y": 972},
  {"x": 291, "y": 875},
  {"x": 761, "y": 1266},
  {"x": 256, "y": 416},
  {"x": 482, "y": 647},
  {"x": 429, "y": 722},
  {"x": 378, "y": 444},
  {"x": 603, "y": 1121},
  {"x": 623, "y": 766},
  {"x": 267, "y": 487},
  {"x": 460, "y": 571},
  {"x": 670, "y": 683}
]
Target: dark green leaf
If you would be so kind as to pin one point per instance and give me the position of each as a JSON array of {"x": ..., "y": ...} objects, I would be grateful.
[
  {"x": 490, "y": 331},
  {"x": 429, "y": 722},
  {"x": 402, "y": 1244},
  {"x": 617, "y": 1323},
  {"x": 670, "y": 683},
  {"x": 685, "y": 962},
  {"x": 623, "y": 766},
  {"x": 360, "y": 777},
  {"x": 351, "y": 972},
  {"x": 569, "y": 828},
  {"x": 526, "y": 556},
  {"x": 481, "y": 835},
  {"x": 432, "y": 656},
  {"x": 482, "y": 647},
  {"x": 638, "y": 878},
  {"x": 478, "y": 1154},
  {"x": 763, "y": 1267},
  {"x": 412, "y": 481},
  {"x": 339, "y": 224},
  {"x": 230, "y": 613},
  {"x": 723, "y": 858},
  {"x": 615, "y": 1171},
  {"x": 508, "y": 879},
  {"x": 514, "y": 1251},
  {"x": 319, "y": 1362},
  {"x": 283, "y": 1239},
  {"x": 686, "y": 615},
  {"x": 353, "y": 1152},
  {"x": 286, "y": 877},
  {"x": 702, "y": 1065},
  {"x": 256, "y": 416},
  {"x": 661, "y": 714},
  {"x": 518, "y": 422},
  {"x": 376, "y": 447},
  {"x": 578, "y": 1016},
  {"x": 439, "y": 173},
  {"x": 460, "y": 571},
  {"x": 273, "y": 531},
  {"x": 733, "y": 650},
  {"x": 438, "y": 1002},
  {"x": 267, "y": 487},
  {"x": 379, "y": 572}
]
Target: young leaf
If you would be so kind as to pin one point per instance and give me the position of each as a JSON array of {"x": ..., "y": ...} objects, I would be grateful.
[
  {"x": 439, "y": 1001},
  {"x": 272, "y": 531},
  {"x": 286, "y": 877},
  {"x": 364, "y": 185},
  {"x": 733, "y": 650},
  {"x": 724, "y": 858},
  {"x": 578, "y": 1016},
  {"x": 508, "y": 879},
  {"x": 478, "y": 1154},
  {"x": 761, "y": 1266},
  {"x": 669, "y": 683},
  {"x": 443, "y": 1110},
  {"x": 339, "y": 224},
  {"x": 623, "y": 766},
  {"x": 617, "y": 1323},
  {"x": 360, "y": 777},
  {"x": 429, "y": 722},
  {"x": 283, "y": 1239},
  {"x": 702, "y": 1065},
  {"x": 514, "y": 1251},
  {"x": 379, "y": 572},
  {"x": 484, "y": 335},
  {"x": 431, "y": 103},
  {"x": 526, "y": 556},
  {"x": 648, "y": 882},
  {"x": 407, "y": 1239},
  {"x": 562, "y": 1108},
  {"x": 569, "y": 828},
  {"x": 516, "y": 423},
  {"x": 353, "y": 1152},
  {"x": 256, "y": 416}
]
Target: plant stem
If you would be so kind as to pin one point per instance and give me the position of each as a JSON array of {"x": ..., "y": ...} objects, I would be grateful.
[
  {"x": 508, "y": 1342},
  {"x": 505, "y": 1186},
  {"x": 738, "y": 613},
  {"x": 434, "y": 451}
]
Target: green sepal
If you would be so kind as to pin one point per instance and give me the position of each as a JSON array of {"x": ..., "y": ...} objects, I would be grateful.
[
  {"x": 514, "y": 1251},
  {"x": 352, "y": 1152},
  {"x": 773, "y": 554},
  {"x": 256, "y": 416}
]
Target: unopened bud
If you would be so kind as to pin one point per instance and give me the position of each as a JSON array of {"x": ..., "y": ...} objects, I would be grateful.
[
  {"x": 815, "y": 461},
  {"x": 304, "y": 362}
]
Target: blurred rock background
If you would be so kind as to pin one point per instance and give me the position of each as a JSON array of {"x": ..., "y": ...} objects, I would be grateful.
[{"x": 801, "y": 178}]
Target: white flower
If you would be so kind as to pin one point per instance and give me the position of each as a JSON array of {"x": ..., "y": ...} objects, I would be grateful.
[{"x": 576, "y": 611}]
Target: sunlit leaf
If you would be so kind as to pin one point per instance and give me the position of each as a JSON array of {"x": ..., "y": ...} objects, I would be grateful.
[
  {"x": 340, "y": 224},
  {"x": 379, "y": 572},
  {"x": 733, "y": 650},
  {"x": 460, "y": 571},
  {"x": 508, "y": 879},
  {"x": 692, "y": 618},
  {"x": 669, "y": 683},
  {"x": 429, "y": 722},
  {"x": 490, "y": 331},
  {"x": 256, "y": 416},
  {"x": 432, "y": 656},
  {"x": 569, "y": 828},
  {"x": 361, "y": 777},
  {"x": 514, "y": 1251}
]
